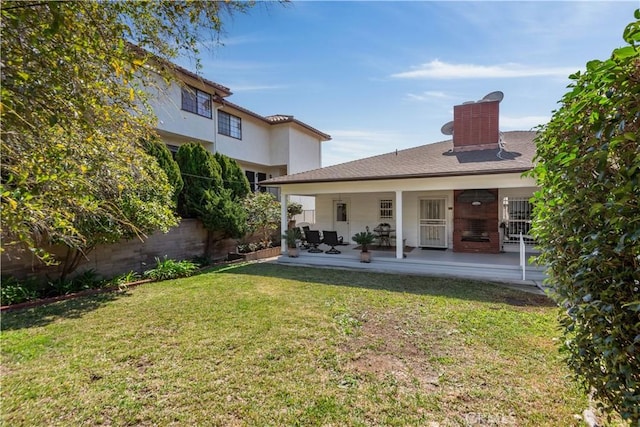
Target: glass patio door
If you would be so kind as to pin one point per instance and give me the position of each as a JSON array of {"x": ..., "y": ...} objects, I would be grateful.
[{"x": 433, "y": 223}]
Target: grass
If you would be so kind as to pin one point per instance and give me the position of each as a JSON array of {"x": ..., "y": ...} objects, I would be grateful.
[{"x": 262, "y": 344}]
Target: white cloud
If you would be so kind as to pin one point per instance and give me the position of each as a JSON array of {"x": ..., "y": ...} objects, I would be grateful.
[
  {"x": 522, "y": 123},
  {"x": 437, "y": 69},
  {"x": 428, "y": 95}
]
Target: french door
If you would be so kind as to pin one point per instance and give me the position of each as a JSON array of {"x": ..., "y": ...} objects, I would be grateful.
[{"x": 433, "y": 223}]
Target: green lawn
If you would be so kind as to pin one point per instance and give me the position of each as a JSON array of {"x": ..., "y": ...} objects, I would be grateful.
[{"x": 263, "y": 344}]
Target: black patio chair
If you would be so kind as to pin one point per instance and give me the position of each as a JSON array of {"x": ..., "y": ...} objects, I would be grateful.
[
  {"x": 305, "y": 229},
  {"x": 314, "y": 240},
  {"x": 331, "y": 238},
  {"x": 303, "y": 238}
]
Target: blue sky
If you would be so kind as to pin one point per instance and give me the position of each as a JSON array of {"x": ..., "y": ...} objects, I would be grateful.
[{"x": 380, "y": 76}]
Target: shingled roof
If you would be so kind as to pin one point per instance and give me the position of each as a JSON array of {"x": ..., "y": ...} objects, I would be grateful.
[
  {"x": 276, "y": 119},
  {"x": 431, "y": 160}
]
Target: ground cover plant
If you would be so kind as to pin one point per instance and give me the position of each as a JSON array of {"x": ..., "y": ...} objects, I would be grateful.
[
  {"x": 262, "y": 344},
  {"x": 14, "y": 291}
]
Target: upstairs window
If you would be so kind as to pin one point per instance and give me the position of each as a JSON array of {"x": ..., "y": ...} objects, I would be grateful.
[
  {"x": 229, "y": 125},
  {"x": 196, "y": 101}
]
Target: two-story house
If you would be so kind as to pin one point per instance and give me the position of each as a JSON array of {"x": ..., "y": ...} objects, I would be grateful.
[{"x": 265, "y": 147}]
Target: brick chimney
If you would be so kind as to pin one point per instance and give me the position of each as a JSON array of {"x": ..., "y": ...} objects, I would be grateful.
[{"x": 475, "y": 125}]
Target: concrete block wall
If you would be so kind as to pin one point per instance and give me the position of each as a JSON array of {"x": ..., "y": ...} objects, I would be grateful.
[{"x": 186, "y": 241}]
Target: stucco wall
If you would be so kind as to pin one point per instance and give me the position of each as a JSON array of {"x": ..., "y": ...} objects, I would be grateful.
[
  {"x": 304, "y": 152},
  {"x": 254, "y": 145},
  {"x": 167, "y": 105}
]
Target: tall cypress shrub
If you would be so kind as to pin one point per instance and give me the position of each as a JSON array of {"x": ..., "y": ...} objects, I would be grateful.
[
  {"x": 204, "y": 196},
  {"x": 156, "y": 148}
]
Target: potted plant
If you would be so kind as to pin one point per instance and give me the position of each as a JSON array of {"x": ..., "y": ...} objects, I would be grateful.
[
  {"x": 291, "y": 236},
  {"x": 364, "y": 239},
  {"x": 293, "y": 209}
]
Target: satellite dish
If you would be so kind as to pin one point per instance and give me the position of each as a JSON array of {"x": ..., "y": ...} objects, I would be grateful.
[
  {"x": 447, "y": 128},
  {"x": 493, "y": 96}
]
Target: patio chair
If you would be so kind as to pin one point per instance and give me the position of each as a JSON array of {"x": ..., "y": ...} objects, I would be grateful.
[
  {"x": 314, "y": 240},
  {"x": 305, "y": 230},
  {"x": 330, "y": 238},
  {"x": 303, "y": 238}
]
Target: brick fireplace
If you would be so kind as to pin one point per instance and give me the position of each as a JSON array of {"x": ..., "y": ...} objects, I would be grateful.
[{"x": 475, "y": 221}]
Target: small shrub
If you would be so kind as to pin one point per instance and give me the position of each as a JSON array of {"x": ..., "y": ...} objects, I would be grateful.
[
  {"x": 88, "y": 279},
  {"x": 125, "y": 278},
  {"x": 170, "y": 269},
  {"x": 202, "y": 261},
  {"x": 15, "y": 292}
]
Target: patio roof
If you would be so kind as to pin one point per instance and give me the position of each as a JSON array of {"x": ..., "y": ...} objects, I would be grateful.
[{"x": 431, "y": 160}]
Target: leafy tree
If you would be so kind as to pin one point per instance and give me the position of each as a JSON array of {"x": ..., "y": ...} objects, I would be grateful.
[
  {"x": 232, "y": 176},
  {"x": 204, "y": 196},
  {"x": 73, "y": 113},
  {"x": 263, "y": 215},
  {"x": 156, "y": 148},
  {"x": 587, "y": 222}
]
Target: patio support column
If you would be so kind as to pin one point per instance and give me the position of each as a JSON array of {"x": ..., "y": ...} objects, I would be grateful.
[
  {"x": 399, "y": 237},
  {"x": 284, "y": 221}
]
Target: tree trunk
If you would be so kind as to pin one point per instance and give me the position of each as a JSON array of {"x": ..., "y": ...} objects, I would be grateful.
[{"x": 72, "y": 261}]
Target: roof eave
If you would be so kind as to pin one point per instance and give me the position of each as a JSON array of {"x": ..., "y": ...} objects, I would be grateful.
[{"x": 395, "y": 177}]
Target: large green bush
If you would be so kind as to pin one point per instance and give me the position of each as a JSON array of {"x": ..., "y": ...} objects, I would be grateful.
[
  {"x": 587, "y": 222},
  {"x": 233, "y": 177},
  {"x": 205, "y": 197},
  {"x": 156, "y": 148}
]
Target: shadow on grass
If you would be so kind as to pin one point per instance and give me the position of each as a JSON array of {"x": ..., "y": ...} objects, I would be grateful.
[
  {"x": 466, "y": 289},
  {"x": 42, "y": 315}
]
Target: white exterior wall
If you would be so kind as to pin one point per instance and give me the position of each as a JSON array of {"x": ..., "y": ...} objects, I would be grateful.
[
  {"x": 364, "y": 197},
  {"x": 364, "y": 211},
  {"x": 305, "y": 151},
  {"x": 280, "y": 145},
  {"x": 166, "y": 102},
  {"x": 254, "y": 145}
]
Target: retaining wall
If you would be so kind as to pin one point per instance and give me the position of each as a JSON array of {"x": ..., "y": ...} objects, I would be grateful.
[{"x": 185, "y": 241}]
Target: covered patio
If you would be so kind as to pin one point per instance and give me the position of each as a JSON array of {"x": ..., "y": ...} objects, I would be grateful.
[{"x": 502, "y": 267}]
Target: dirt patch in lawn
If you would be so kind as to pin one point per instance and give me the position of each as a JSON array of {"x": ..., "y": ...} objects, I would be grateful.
[{"x": 387, "y": 346}]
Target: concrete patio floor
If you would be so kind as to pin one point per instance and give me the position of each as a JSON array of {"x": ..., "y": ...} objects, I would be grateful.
[{"x": 503, "y": 267}]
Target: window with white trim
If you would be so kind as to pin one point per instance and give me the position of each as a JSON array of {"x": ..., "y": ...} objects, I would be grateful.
[
  {"x": 196, "y": 101},
  {"x": 386, "y": 209},
  {"x": 517, "y": 213},
  {"x": 229, "y": 125}
]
